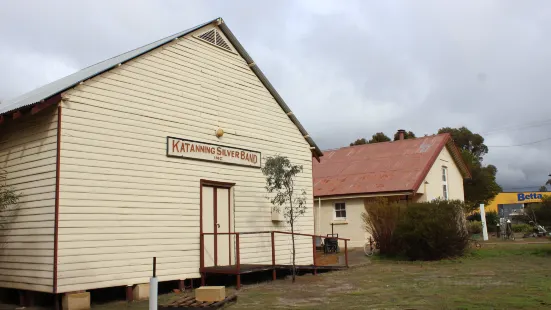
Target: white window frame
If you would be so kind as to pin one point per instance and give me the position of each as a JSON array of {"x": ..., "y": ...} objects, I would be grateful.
[
  {"x": 445, "y": 187},
  {"x": 335, "y": 217}
]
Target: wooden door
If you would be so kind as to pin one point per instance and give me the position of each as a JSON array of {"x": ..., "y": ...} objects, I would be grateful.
[
  {"x": 217, "y": 218},
  {"x": 223, "y": 226}
]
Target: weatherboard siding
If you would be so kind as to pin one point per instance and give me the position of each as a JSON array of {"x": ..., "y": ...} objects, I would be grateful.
[
  {"x": 123, "y": 201},
  {"x": 28, "y": 156}
]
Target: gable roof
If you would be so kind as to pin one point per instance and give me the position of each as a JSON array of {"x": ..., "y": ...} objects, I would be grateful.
[
  {"x": 397, "y": 166},
  {"x": 52, "y": 90}
]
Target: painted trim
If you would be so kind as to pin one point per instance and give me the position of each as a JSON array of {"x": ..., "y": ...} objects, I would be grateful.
[
  {"x": 201, "y": 236},
  {"x": 46, "y": 104},
  {"x": 56, "y": 214},
  {"x": 215, "y": 185},
  {"x": 229, "y": 225},
  {"x": 364, "y": 195},
  {"x": 458, "y": 159},
  {"x": 335, "y": 218},
  {"x": 215, "y": 215}
]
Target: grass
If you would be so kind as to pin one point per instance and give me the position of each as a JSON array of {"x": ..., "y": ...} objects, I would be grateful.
[{"x": 501, "y": 275}]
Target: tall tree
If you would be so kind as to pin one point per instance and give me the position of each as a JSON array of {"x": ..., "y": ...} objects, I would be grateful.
[
  {"x": 379, "y": 137},
  {"x": 543, "y": 188},
  {"x": 482, "y": 187},
  {"x": 407, "y": 135},
  {"x": 359, "y": 142},
  {"x": 467, "y": 140},
  {"x": 280, "y": 184}
]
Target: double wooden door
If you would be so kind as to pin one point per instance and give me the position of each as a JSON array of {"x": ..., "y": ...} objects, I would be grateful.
[{"x": 217, "y": 218}]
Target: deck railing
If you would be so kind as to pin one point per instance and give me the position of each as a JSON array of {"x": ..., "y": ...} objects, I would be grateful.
[{"x": 253, "y": 259}]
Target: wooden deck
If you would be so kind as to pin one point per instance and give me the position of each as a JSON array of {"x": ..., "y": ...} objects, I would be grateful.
[
  {"x": 321, "y": 261},
  {"x": 248, "y": 268}
]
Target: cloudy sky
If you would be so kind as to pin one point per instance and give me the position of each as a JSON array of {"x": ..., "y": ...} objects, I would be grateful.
[{"x": 347, "y": 68}]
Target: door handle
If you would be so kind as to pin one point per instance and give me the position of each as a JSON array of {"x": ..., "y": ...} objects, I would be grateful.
[{"x": 217, "y": 225}]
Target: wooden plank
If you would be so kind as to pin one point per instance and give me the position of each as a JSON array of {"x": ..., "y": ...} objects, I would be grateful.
[
  {"x": 21, "y": 141},
  {"x": 112, "y": 265},
  {"x": 232, "y": 115},
  {"x": 27, "y": 286},
  {"x": 39, "y": 165},
  {"x": 187, "y": 168},
  {"x": 167, "y": 268},
  {"x": 115, "y": 172}
]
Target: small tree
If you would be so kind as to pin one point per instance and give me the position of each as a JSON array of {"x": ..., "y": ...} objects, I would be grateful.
[
  {"x": 8, "y": 204},
  {"x": 280, "y": 184}
]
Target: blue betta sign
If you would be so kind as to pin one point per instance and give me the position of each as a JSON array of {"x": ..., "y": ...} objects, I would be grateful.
[{"x": 522, "y": 196}]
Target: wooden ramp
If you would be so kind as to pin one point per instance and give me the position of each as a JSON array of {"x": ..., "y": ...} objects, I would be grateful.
[{"x": 189, "y": 302}]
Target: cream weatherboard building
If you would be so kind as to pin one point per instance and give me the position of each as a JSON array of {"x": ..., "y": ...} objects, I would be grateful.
[
  {"x": 417, "y": 170},
  {"x": 132, "y": 158}
]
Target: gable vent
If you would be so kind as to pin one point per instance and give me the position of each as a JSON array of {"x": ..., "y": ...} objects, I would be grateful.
[{"x": 213, "y": 37}]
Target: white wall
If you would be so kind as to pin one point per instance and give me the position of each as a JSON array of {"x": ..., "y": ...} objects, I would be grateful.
[
  {"x": 28, "y": 156},
  {"x": 351, "y": 228},
  {"x": 433, "y": 189},
  {"x": 123, "y": 201}
]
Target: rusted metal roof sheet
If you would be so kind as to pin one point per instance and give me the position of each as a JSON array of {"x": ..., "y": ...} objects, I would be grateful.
[{"x": 396, "y": 166}]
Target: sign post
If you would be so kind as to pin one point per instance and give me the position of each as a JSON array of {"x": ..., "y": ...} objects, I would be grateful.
[{"x": 483, "y": 220}]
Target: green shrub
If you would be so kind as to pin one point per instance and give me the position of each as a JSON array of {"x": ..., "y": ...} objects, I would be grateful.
[
  {"x": 521, "y": 228},
  {"x": 474, "y": 227},
  {"x": 433, "y": 230},
  {"x": 492, "y": 219}
]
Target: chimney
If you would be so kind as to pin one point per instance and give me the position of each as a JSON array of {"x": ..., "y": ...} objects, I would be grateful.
[{"x": 401, "y": 134}]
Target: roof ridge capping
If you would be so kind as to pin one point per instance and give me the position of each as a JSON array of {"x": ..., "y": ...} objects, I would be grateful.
[{"x": 54, "y": 88}]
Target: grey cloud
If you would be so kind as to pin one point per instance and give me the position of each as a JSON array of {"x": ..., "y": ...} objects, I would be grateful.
[{"x": 348, "y": 69}]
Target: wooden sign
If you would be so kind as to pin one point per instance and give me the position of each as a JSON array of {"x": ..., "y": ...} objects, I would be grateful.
[{"x": 176, "y": 147}]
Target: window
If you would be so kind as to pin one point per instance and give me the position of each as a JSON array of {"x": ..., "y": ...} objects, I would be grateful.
[
  {"x": 340, "y": 211},
  {"x": 445, "y": 182}
]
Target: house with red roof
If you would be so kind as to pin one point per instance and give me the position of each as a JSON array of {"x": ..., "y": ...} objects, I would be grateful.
[{"x": 416, "y": 170}]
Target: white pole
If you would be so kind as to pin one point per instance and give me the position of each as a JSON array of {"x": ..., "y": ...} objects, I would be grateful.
[
  {"x": 153, "y": 283},
  {"x": 483, "y": 220}
]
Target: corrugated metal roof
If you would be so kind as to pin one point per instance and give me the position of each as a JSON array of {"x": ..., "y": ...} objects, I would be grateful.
[
  {"x": 69, "y": 81},
  {"x": 56, "y": 87},
  {"x": 397, "y": 166}
]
